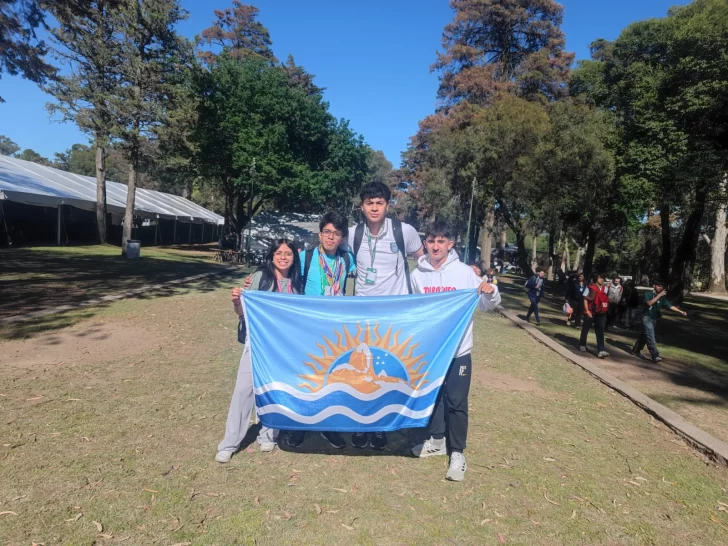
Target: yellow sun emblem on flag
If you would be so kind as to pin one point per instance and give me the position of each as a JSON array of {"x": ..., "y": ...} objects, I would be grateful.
[{"x": 365, "y": 361}]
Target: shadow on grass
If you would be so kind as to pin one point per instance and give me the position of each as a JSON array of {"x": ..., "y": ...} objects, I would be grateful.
[
  {"x": 32, "y": 279},
  {"x": 703, "y": 333},
  {"x": 43, "y": 326}
]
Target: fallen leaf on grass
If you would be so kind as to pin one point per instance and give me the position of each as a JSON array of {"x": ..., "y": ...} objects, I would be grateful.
[
  {"x": 256, "y": 501},
  {"x": 317, "y": 508},
  {"x": 72, "y": 400},
  {"x": 151, "y": 490},
  {"x": 182, "y": 544},
  {"x": 638, "y": 478},
  {"x": 345, "y": 526},
  {"x": 502, "y": 538},
  {"x": 634, "y": 483},
  {"x": 497, "y": 514},
  {"x": 23, "y": 496},
  {"x": 332, "y": 511},
  {"x": 34, "y": 398},
  {"x": 287, "y": 515},
  {"x": 76, "y": 517},
  {"x": 106, "y": 535},
  {"x": 549, "y": 500},
  {"x": 99, "y": 527},
  {"x": 549, "y": 459},
  {"x": 573, "y": 514},
  {"x": 340, "y": 490},
  {"x": 212, "y": 494},
  {"x": 484, "y": 522},
  {"x": 8, "y": 513}
]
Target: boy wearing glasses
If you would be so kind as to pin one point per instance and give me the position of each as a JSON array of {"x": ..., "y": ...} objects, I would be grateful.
[{"x": 324, "y": 271}]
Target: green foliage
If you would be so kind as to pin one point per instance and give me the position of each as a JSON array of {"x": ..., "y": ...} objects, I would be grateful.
[
  {"x": 257, "y": 128},
  {"x": 21, "y": 51},
  {"x": 31, "y": 155},
  {"x": 7, "y": 146}
]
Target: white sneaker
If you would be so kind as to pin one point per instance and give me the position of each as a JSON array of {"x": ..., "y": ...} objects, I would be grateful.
[
  {"x": 430, "y": 448},
  {"x": 223, "y": 456},
  {"x": 458, "y": 466},
  {"x": 267, "y": 447},
  {"x": 582, "y": 348},
  {"x": 602, "y": 354}
]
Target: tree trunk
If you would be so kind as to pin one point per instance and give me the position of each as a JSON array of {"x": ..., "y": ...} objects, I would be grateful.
[
  {"x": 486, "y": 235},
  {"x": 522, "y": 256},
  {"x": 591, "y": 246},
  {"x": 503, "y": 242},
  {"x": 130, "y": 195},
  {"x": 534, "y": 252},
  {"x": 551, "y": 256},
  {"x": 681, "y": 277},
  {"x": 666, "y": 257},
  {"x": 565, "y": 260},
  {"x": 717, "y": 246},
  {"x": 101, "y": 191}
]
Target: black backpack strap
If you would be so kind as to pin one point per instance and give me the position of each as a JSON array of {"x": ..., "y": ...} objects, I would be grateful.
[
  {"x": 358, "y": 236},
  {"x": 306, "y": 267},
  {"x": 399, "y": 239}
]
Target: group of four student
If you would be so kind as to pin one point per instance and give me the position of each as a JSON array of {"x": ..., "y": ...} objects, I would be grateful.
[{"x": 377, "y": 256}]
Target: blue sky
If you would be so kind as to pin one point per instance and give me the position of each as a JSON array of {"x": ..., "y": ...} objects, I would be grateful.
[{"x": 372, "y": 57}]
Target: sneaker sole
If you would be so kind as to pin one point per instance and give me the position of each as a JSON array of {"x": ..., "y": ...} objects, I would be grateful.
[
  {"x": 266, "y": 449},
  {"x": 425, "y": 455},
  {"x": 457, "y": 478}
]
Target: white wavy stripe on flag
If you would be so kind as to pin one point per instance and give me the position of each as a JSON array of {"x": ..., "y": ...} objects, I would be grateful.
[
  {"x": 347, "y": 412},
  {"x": 348, "y": 389}
]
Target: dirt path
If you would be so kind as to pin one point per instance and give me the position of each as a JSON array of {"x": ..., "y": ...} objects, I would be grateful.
[{"x": 697, "y": 392}]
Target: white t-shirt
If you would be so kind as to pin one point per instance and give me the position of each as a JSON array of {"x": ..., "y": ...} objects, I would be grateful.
[{"x": 390, "y": 278}]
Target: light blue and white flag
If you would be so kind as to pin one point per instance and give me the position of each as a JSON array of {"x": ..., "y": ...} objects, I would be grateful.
[{"x": 352, "y": 364}]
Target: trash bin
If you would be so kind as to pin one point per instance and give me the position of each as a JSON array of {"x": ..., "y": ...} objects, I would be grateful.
[{"x": 133, "y": 249}]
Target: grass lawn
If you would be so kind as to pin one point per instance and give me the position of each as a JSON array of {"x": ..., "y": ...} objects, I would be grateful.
[
  {"x": 109, "y": 428},
  {"x": 693, "y": 378}
]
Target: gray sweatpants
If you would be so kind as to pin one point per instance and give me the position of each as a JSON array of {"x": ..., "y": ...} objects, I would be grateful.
[{"x": 241, "y": 408}]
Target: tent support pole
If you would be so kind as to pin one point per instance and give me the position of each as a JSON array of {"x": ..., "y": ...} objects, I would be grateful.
[
  {"x": 189, "y": 242},
  {"x": 174, "y": 237},
  {"x": 58, "y": 227},
  {"x": 203, "y": 232},
  {"x": 156, "y": 231}
]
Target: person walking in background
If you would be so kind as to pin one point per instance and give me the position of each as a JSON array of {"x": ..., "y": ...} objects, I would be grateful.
[
  {"x": 654, "y": 302},
  {"x": 575, "y": 298},
  {"x": 534, "y": 285},
  {"x": 596, "y": 305},
  {"x": 615, "y": 293},
  {"x": 632, "y": 299},
  {"x": 490, "y": 277}
]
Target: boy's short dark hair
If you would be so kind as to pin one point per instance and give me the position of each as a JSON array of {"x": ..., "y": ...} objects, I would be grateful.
[
  {"x": 337, "y": 219},
  {"x": 440, "y": 229},
  {"x": 374, "y": 190}
]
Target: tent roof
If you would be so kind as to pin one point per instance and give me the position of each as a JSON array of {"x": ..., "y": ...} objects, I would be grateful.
[{"x": 34, "y": 184}]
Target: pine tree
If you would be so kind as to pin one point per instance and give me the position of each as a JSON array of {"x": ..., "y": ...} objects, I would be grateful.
[
  {"x": 85, "y": 41},
  {"x": 152, "y": 59},
  {"x": 497, "y": 46}
]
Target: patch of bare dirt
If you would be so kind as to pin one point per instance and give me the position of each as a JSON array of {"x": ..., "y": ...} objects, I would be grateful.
[
  {"x": 81, "y": 344},
  {"x": 505, "y": 382}
]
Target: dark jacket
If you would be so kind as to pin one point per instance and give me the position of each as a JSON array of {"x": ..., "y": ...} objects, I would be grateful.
[{"x": 532, "y": 286}]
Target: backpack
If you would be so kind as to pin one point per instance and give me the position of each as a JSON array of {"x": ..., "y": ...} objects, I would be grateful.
[
  {"x": 307, "y": 266},
  {"x": 398, "y": 238},
  {"x": 600, "y": 304}
]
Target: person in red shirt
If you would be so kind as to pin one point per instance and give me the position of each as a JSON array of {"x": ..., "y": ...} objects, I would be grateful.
[{"x": 596, "y": 305}]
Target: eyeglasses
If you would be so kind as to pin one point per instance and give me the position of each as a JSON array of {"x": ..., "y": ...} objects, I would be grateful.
[
  {"x": 283, "y": 254},
  {"x": 330, "y": 233}
]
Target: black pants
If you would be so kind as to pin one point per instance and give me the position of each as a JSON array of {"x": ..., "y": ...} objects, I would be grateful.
[
  {"x": 612, "y": 311},
  {"x": 599, "y": 322},
  {"x": 578, "y": 310},
  {"x": 534, "y": 307},
  {"x": 450, "y": 416}
]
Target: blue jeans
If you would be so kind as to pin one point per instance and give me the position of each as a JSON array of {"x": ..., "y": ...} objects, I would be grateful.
[
  {"x": 647, "y": 336},
  {"x": 534, "y": 307}
]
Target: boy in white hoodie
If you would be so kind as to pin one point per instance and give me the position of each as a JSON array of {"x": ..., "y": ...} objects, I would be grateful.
[{"x": 440, "y": 270}]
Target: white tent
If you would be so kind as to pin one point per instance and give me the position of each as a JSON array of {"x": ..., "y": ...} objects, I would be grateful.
[{"x": 32, "y": 184}]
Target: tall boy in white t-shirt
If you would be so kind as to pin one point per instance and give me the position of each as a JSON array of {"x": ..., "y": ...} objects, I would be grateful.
[{"x": 381, "y": 246}]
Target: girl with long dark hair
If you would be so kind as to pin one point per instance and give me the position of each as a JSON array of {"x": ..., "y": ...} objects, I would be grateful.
[{"x": 280, "y": 272}]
